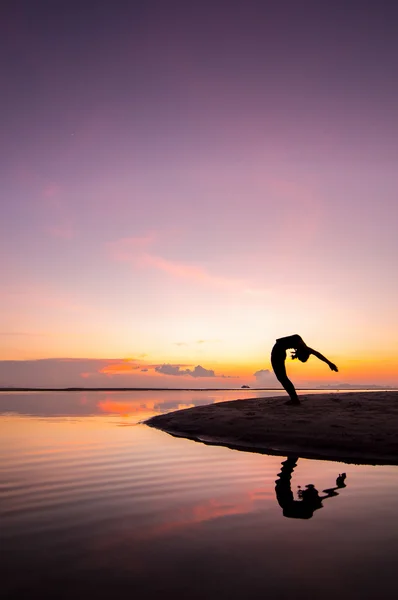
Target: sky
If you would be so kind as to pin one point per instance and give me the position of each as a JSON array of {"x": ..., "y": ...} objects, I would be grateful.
[{"x": 184, "y": 182}]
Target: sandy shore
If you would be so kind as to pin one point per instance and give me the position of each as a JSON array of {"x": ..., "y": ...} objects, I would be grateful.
[{"x": 359, "y": 427}]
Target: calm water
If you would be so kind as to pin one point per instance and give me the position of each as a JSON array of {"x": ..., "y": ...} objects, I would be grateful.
[{"x": 93, "y": 502}]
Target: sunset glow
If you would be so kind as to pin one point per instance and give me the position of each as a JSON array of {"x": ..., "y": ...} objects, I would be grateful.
[{"x": 170, "y": 208}]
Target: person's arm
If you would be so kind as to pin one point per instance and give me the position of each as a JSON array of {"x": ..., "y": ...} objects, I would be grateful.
[{"x": 331, "y": 365}]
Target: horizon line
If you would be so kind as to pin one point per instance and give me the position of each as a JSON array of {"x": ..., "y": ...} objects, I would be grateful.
[{"x": 161, "y": 389}]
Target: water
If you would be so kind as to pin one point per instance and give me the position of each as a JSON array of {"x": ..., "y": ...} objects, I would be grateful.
[{"x": 94, "y": 503}]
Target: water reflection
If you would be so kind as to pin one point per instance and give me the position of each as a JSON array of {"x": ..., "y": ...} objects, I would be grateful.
[
  {"x": 309, "y": 499},
  {"x": 139, "y": 405},
  {"x": 88, "y": 508}
]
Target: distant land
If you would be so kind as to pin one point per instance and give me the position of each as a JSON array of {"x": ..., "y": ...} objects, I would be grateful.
[{"x": 342, "y": 386}]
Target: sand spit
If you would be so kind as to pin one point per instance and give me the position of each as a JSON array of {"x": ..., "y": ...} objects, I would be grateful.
[{"x": 357, "y": 427}]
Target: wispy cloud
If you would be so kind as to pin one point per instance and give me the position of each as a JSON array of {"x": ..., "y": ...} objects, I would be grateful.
[
  {"x": 186, "y": 271},
  {"x": 137, "y": 251}
]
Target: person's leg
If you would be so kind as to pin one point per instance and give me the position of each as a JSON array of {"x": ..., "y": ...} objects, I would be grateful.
[
  {"x": 289, "y": 387},
  {"x": 279, "y": 368}
]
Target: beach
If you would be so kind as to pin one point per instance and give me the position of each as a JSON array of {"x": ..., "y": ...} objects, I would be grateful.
[{"x": 356, "y": 427}]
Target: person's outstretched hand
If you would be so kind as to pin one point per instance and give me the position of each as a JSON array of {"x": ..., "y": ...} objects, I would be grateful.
[{"x": 333, "y": 367}]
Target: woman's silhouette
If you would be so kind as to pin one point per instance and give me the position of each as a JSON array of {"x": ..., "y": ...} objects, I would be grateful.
[{"x": 302, "y": 352}]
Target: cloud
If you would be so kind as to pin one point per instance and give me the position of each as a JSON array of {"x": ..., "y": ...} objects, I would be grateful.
[
  {"x": 202, "y": 372},
  {"x": 104, "y": 372},
  {"x": 137, "y": 252},
  {"x": 49, "y": 372},
  {"x": 262, "y": 372},
  {"x": 263, "y": 376},
  {"x": 119, "y": 368},
  {"x": 176, "y": 370}
]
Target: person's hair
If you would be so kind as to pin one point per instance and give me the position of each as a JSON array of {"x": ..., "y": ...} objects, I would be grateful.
[{"x": 302, "y": 353}]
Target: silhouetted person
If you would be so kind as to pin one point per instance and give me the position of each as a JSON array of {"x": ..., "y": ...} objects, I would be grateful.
[
  {"x": 310, "y": 500},
  {"x": 302, "y": 352}
]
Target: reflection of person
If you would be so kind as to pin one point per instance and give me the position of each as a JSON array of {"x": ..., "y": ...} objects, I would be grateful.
[
  {"x": 309, "y": 501},
  {"x": 302, "y": 352}
]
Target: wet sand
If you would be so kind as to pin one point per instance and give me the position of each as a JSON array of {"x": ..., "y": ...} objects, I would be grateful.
[{"x": 358, "y": 427}]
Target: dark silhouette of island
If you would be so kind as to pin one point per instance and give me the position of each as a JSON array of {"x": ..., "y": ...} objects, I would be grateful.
[
  {"x": 302, "y": 352},
  {"x": 309, "y": 499}
]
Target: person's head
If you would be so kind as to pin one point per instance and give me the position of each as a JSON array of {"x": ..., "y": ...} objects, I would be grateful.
[{"x": 302, "y": 353}]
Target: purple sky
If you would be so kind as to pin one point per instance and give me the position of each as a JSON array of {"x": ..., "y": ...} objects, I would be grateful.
[{"x": 173, "y": 172}]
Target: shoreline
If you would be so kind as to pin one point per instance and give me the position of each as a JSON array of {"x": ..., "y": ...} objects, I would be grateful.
[{"x": 353, "y": 427}]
